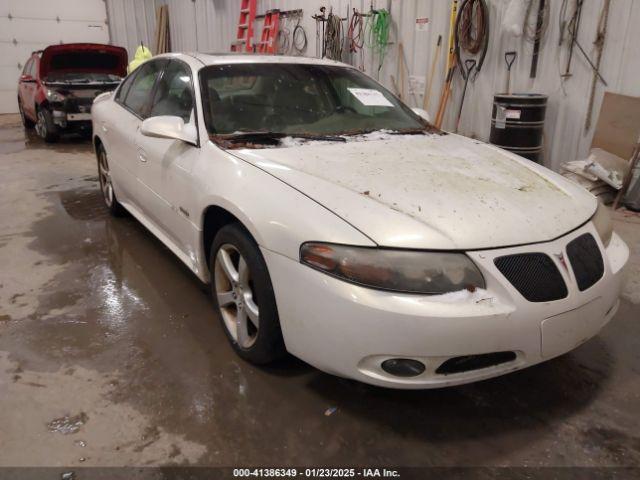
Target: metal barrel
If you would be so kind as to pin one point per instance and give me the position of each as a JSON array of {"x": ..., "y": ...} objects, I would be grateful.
[{"x": 517, "y": 123}]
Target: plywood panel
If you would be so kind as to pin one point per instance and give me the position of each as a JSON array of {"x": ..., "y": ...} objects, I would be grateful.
[{"x": 618, "y": 128}]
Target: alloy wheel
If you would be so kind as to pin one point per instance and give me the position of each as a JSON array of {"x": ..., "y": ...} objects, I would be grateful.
[
  {"x": 234, "y": 291},
  {"x": 105, "y": 178}
]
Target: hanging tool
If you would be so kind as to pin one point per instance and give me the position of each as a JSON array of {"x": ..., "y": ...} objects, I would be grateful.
[
  {"x": 451, "y": 66},
  {"x": 400, "y": 71},
  {"x": 427, "y": 89},
  {"x": 572, "y": 27},
  {"x": 469, "y": 65},
  {"x": 320, "y": 21},
  {"x": 599, "y": 44},
  {"x": 509, "y": 58},
  {"x": 403, "y": 73},
  {"x": 541, "y": 24},
  {"x": 446, "y": 93},
  {"x": 395, "y": 86},
  {"x": 452, "y": 26},
  {"x": 471, "y": 34}
]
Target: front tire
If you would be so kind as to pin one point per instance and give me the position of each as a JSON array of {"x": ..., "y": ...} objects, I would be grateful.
[
  {"x": 243, "y": 296},
  {"x": 106, "y": 184},
  {"x": 45, "y": 126}
]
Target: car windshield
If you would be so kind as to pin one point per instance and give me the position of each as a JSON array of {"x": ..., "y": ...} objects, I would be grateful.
[{"x": 299, "y": 99}]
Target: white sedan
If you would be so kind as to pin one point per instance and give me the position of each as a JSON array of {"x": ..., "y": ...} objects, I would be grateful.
[{"x": 335, "y": 223}]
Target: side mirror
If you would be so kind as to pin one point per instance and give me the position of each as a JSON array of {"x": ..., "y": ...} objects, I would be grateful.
[
  {"x": 422, "y": 113},
  {"x": 27, "y": 79},
  {"x": 168, "y": 126}
]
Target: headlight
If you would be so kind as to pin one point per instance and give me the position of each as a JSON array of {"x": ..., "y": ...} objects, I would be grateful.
[
  {"x": 603, "y": 223},
  {"x": 431, "y": 273},
  {"x": 54, "y": 96}
]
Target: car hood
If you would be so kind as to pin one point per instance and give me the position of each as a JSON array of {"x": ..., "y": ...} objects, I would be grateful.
[
  {"x": 84, "y": 57},
  {"x": 431, "y": 191}
]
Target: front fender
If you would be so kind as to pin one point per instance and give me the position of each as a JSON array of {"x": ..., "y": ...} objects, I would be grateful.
[{"x": 279, "y": 217}]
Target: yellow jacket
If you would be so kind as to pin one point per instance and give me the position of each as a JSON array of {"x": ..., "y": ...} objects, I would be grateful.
[{"x": 142, "y": 55}]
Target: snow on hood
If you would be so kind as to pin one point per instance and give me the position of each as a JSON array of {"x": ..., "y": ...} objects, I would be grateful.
[{"x": 431, "y": 191}]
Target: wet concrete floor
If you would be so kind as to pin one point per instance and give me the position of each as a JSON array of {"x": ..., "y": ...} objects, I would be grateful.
[{"x": 110, "y": 354}]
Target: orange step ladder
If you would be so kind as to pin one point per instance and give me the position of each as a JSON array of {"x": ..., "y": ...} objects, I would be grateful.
[
  {"x": 245, "y": 27},
  {"x": 269, "y": 32}
]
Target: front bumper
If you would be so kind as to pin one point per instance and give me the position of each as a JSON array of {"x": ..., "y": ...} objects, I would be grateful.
[
  {"x": 348, "y": 330},
  {"x": 80, "y": 121}
]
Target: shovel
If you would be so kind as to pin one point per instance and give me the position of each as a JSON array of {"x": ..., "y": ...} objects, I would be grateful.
[
  {"x": 509, "y": 58},
  {"x": 469, "y": 65}
]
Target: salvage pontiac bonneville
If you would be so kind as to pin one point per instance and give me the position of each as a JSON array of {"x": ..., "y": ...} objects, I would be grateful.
[{"x": 335, "y": 223}]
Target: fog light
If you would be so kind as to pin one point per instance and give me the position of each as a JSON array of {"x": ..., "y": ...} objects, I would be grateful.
[{"x": 403, "y": 367}]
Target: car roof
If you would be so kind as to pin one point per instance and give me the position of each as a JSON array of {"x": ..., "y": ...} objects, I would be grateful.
[{"x": 227, "y": 58}]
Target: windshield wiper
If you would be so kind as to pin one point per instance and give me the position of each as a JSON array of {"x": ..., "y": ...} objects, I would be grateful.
[
  {"x": 273, "y": 137},
  {"x": 408, "y": 131}
]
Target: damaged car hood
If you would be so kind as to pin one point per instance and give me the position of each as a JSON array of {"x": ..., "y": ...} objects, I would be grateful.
[{"x": 431, "y": 191}]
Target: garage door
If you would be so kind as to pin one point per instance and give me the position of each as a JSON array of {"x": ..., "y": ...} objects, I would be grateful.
[{"x": 28, "y": 25}]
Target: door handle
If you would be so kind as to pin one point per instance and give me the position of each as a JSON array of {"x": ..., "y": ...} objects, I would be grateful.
[{"x": 142, "y": 155}]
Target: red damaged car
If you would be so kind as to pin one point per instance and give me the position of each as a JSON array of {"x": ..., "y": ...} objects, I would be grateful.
[{"x": 58, "y": 85}]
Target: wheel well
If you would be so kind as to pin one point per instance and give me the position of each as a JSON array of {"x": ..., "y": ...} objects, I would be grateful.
[
  {"x": 96, "y": 143},
  {"x": 214, "y": 219},
  {"x": 41, "y": 106}
]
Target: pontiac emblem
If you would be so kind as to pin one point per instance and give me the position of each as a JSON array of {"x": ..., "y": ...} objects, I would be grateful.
[{"x": 560, "y": 257}]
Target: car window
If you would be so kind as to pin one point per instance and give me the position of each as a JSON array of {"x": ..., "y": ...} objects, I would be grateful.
[
  {"x": 33, "y": 68},
  {"x": 139, "y": 93},
  {"x": 27, "y": 67},
  {"x": 124, "y": 88},
  {"x": 174, "y": 93}
]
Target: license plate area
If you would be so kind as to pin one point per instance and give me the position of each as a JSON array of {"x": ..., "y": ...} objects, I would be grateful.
[{"x": 564, "y": 332}]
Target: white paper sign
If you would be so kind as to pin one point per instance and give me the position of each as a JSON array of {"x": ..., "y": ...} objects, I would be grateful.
[
  {"x": 422, "y": 24},
  {"x": 370, "y": 97}
]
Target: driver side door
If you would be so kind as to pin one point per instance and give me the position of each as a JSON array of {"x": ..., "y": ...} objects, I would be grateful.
[{"x": 165, "y": 173}]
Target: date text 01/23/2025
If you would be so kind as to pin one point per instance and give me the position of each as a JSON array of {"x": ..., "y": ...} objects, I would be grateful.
[{"x": 316, "y": 473}]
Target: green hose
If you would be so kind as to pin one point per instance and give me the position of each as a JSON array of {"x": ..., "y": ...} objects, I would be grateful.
[{"x": 377, "y": 33}]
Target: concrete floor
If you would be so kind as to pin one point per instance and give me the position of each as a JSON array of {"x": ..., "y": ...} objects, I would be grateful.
[{"x": 110, "y": 355}]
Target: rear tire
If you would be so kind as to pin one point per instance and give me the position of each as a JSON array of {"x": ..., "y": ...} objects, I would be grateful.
[
  {"x": 106, "y": 184},
  {"x": 28, "y": 124},
  {"x": 243, "y": 296},
  {"x": 45, "y": 126}
]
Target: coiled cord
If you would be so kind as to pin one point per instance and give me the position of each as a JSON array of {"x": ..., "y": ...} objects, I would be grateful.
[
  {"x": 377, "y": 33},
  {"x": 333, "y": 37},
  {"x": 287, "y": 40},
  {"x": 355, "y": 33},
  {"x": 299, "y": 39},
  {"x": 472, "y": 33}
]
